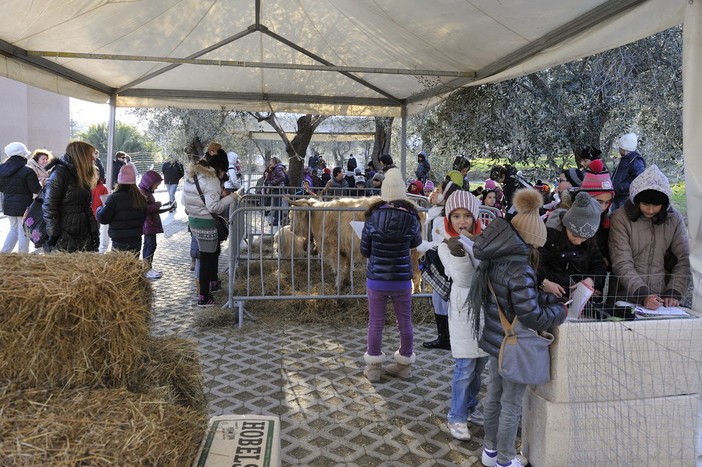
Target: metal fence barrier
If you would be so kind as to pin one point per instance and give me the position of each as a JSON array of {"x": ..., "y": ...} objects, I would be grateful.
[{"x": 268, "y": 262}]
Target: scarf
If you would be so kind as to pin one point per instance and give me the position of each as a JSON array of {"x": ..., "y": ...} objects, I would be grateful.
[
  {"x": 479, "y": 288},
  {"x": 477, "y": 227}
]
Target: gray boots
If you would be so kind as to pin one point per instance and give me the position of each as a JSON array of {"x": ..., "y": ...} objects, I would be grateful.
[
  {"x": 402, "y": 368},
  {"x": 374, "y": 366}
]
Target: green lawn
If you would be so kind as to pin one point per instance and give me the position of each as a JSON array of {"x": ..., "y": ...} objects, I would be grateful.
[{"x": 679, "y": 200}]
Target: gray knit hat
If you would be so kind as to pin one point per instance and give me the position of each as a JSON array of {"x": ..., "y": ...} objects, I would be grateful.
[{"x": 583, "y": 217}]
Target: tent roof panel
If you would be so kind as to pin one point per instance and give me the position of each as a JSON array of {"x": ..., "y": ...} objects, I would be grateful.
[{"x": 497, "y": 40}]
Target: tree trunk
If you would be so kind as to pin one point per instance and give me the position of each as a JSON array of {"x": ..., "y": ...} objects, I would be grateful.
[
  {"x": 297, "y": 148},
  {"x": 381, "y": 144},
  {"x": 196, "y": 147}
]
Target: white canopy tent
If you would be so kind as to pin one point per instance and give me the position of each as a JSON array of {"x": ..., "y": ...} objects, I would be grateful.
[{"x": 334, "y": 57}]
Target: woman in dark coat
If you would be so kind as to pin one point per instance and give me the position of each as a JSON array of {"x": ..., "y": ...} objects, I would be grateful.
[
  {"x": 70, "y": 224},
  {"x": 509, "y": 260}
]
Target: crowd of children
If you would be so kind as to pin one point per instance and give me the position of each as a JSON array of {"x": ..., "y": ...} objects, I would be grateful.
[
  {"x": 507, "y": 248},
  {"x": 528, "y": 246}
]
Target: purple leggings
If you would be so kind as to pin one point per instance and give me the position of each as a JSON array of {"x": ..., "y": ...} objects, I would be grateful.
[{"x": 377, "y": 308}]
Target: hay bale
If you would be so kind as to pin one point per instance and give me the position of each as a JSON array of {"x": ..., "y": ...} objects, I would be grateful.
[
  {"x": 171, "y": 368},
  {"x": 72, "y": 320},
  {"x": 97, "y": 428}
]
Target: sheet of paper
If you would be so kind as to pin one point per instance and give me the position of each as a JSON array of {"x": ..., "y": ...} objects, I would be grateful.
[
  {"x": 466, "y": 242},
  {"x": 578, "y": 298},
  {"x": 357, "y": 227},
  {"x": 661, "y": 311}
]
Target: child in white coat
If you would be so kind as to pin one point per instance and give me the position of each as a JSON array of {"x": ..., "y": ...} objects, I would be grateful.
[
  {"x": 437, "y": 232},
  {"x": 462, "y": 217}
]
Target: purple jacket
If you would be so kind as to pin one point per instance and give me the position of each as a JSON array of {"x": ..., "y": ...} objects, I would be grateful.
[
  {"x": 277, "y": 175},
  {"x": 152, "y": 224}
]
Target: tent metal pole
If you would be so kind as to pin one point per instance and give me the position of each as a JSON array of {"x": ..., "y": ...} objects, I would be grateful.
[
  {"x": 692, "y": 138},
  {"x": 403, "y": 140},
  {"x": 245, "y": 64},
  {"x": 104, "y": 238},
  {"x": 111, "y": 124}
]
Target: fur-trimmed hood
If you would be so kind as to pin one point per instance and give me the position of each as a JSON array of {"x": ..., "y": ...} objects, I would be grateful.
[{"x": 200, "y": 169}]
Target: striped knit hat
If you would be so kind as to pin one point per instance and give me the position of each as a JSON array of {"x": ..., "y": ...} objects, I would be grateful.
[
  {"x": 596, "y": 180},
  {"x": 462, "y": 199}
]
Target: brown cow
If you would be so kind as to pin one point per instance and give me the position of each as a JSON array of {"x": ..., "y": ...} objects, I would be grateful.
[{"x": 332, "y": 233}]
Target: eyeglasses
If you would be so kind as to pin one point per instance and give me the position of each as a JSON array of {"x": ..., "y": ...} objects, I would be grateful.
[{"x": 559, "y": 180}]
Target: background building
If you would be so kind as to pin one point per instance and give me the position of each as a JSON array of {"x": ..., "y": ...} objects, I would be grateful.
[{"x": 38, "y": 118}]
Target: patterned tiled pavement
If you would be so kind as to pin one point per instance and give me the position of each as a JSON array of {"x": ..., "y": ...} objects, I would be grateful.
[{"x": 311, "y": 377}]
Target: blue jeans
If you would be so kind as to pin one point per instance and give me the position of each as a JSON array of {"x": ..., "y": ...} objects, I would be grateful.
[
  {"x": 465, "y": 388},
  {"x": 502, "y": 406},
  {"x": 149, "y": 247},
  {"x": 377, "y": 308},
  {"x": 171, "y": 191}
]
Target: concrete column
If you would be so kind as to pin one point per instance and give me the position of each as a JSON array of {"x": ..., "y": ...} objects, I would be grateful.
[{"x": 692, "y": 136}]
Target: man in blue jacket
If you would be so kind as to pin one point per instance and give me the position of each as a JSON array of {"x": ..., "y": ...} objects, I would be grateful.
[{"x": 631, "y": 166}]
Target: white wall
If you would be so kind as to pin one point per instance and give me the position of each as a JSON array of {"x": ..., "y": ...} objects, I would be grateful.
[{"x": 38, "y": 118}]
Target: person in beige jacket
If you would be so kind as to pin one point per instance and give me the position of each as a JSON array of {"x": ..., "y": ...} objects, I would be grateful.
[{"x": 648, "y": 244}]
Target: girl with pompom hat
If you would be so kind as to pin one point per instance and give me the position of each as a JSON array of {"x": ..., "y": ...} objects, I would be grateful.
[
  {"x": 391, "y": 229},
  {"x": 571, "y": 253},
  {"x": 462, "y": 218},
  {"x": 436, "y": 226},
  {"x": 509, "y": 260}
]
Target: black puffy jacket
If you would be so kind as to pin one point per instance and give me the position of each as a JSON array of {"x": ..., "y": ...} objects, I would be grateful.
[
  {"x": 562, "y": 262},
  {"x": 18, "y": 183},
  {"x": 67, "y": 210},
  {"x": 388, "y": 235},
  {"x": 515, "y": 285},
  {"x": 125, "y": 221}
]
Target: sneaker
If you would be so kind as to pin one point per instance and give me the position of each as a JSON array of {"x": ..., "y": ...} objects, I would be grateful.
[
  {"x": 489, "y": 457},
  {"x": 205, "y": 301},
  {"x": 513, "y": 463},
  {"x": 477, "y": 418},
  {"x": 215, "y": 286},
  {"x": 152, "y": 274},
  {"x": 459, "y": 431}
]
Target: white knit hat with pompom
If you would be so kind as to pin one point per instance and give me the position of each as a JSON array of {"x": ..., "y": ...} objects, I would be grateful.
[{"x": 394, "y": 186}]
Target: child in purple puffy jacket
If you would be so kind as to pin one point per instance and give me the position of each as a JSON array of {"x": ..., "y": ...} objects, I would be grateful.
[{"x": 152, "y": 225}]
